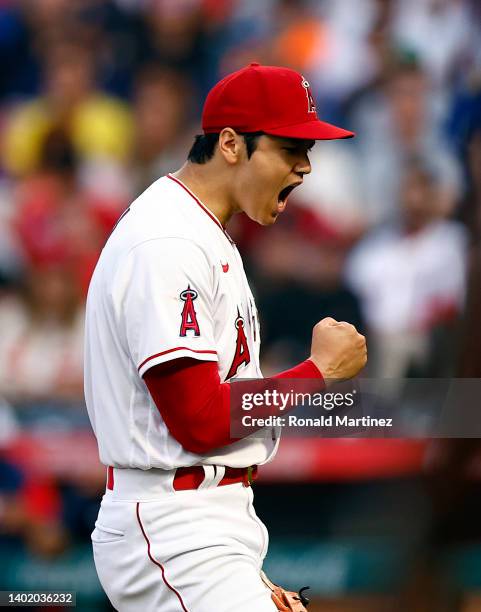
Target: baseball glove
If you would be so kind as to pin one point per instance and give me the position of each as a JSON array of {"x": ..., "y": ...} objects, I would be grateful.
[{"x": 286, "y": 601}]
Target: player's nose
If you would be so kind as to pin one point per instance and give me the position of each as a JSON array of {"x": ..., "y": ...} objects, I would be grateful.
[{"x": 303, "y": 166}]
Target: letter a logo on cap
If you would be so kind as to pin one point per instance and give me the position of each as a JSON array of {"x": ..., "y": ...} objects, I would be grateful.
[{"x": 311, "y": 105}]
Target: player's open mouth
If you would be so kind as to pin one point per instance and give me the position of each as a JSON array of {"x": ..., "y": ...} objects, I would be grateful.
[{"x": 284, "y": 194}]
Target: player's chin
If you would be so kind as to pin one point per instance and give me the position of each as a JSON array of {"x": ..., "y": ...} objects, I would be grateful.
[
  {"x": 266, "y": 215},
  {"x": 272, "y": 214},
  {"x": 268, "y": 219}
]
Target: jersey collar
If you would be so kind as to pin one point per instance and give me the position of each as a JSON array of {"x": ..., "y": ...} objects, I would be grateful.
[{"x": 203, "y": 206}]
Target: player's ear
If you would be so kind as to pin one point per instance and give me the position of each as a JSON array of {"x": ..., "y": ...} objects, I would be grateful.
[{"x": 230, "y": 145}]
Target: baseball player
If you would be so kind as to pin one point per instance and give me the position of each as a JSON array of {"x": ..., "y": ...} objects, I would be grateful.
[{"x": 170, "y": 321}]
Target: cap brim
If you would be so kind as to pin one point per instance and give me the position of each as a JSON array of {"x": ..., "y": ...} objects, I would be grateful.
[{"x": 311, "y": 130}]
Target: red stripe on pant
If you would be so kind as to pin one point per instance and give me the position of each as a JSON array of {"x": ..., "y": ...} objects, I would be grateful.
[{"x": 157, "y": 563}]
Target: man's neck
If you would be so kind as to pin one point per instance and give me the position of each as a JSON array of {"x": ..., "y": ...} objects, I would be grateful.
[{"x": 211, "y": 189}]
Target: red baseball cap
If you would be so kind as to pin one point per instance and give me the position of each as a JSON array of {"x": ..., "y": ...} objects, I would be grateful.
[{"x": 269, "y": 99}]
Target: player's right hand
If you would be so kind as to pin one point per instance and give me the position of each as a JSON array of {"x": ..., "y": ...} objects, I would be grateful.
[{"x": 338, "y": 350}]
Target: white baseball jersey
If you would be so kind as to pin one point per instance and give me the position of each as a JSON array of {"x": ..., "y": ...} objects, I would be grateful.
[{"x": 169, "y": 283}]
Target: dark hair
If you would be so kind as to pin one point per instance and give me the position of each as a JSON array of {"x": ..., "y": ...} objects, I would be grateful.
[{"x": 204, "y": 146}]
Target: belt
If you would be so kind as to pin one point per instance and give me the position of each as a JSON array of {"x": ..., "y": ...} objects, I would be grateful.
[
  {"x": 191, "y": 477},
  {"x": 188, "y": 478}
]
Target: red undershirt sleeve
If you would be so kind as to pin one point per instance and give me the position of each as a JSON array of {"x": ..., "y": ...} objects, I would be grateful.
[{"x": 195, "y": 405}]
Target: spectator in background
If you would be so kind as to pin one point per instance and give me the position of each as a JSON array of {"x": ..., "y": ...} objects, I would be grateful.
[
  {"x": 58, "y": 219},
  {"x": 61, "y": 230},
  {"x": 409, "y": 276},
  {"x": 161, "y": 125},
  {"x": 175, "y": 36},
  {"x": 395, "y": 125},
  {"x": 41, "y": 345},
  {"x": 436, "y": 31},
  {"x": 99, "y": 126}
]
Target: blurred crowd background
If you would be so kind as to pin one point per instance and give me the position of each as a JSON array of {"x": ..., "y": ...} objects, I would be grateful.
[{"x": 98, "y": 98}]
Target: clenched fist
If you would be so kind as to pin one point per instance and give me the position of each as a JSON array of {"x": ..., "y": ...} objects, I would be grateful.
[{"x": 338, "y": 350}]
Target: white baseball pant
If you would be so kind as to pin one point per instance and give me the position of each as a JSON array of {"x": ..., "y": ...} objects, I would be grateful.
[{"x": 156, "y": 549}]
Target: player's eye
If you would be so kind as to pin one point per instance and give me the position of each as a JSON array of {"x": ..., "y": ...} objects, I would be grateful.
[
  {"x": 292, "y": 150},
  {"x": 298, "y": 149}
]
